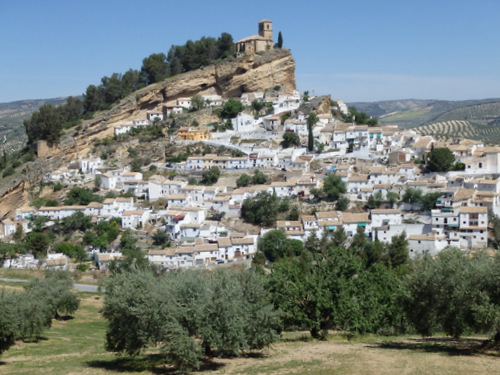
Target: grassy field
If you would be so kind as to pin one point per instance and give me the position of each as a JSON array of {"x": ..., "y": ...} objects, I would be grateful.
[
  {"x": 411, "y": 114},
  {"x": 76, "y": 346}
]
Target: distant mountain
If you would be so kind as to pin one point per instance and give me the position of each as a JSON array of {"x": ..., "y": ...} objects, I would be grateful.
[
  {"x": 410, "y": 113},
  {"x": 12, "y": 133}
]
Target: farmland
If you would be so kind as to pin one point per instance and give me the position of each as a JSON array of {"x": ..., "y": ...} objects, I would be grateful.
[
  {"x": 76, "y": 346},
  {"x": 461, "y": 129}
]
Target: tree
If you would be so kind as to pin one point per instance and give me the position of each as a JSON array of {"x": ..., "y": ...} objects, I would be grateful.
[
  {"x": 81, "y": 196},
  {"x": 160, "y": 238},
  {"x": 7, "y": 251},
  {"x": 429, "y": 200},
  {"x": 290, "y": 139},
  {"x": 259, "y": 178},
  {"x": 452, "y": 292},
  {"x": 8, "y": 322},
  {"x": 334, "y": 289},
  {"x": 412, "y": 195},
  {"x": 275, "y": 245},
  {"x": 45, "y": 124},
  {"x": 37, "y": 243},
  {"x": 225, "y": 46},
  {"x": 279, "y": 44},
  {"x": 211, "y": 176},
  {"x": 154, "y": 68},
  {"x": 257, "y": 106},
  {"x": 55, "y": 291},
  {"x": 398, "y": 251},
  {"x": 262, "y": 209},
  {"x": 191, "y": 314},
  {"x": 197, "y": 102},
  {"x": 342, "y": 203},
  {"x": 312, "y": 119},
  {"x": 231, "y": 109},
  {"x": 92, "y": 99},
  {"x": 392, "y": 197},
  {"x": 333, "y": 186},
  {"x": 243, "y": 180},
  {"x": 440, "y": 160},
  {"x": 359, "y": 118}
]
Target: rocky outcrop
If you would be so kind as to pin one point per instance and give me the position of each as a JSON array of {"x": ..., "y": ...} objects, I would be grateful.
[{"x": 228, "y": 79}]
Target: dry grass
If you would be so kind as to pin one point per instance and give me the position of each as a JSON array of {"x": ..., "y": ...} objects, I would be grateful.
[{"x": 76, "y": 346}]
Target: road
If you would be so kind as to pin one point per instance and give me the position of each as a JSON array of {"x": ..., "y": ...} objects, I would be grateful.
[{"x": 80, "y": 287}]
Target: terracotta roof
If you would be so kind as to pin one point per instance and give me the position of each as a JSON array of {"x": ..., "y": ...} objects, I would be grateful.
[
  {"x": 224, "y": 242},
  {"x": 348, "y": 217},
  {"x": 243, "y": 241},
  {"x": 473, "y": 209},
  {"x": 463, "y": 194},
  {"x": 386, "y": 211}
]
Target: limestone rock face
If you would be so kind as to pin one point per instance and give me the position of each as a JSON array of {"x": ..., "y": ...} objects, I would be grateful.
[{"x": 228, "y": 79}]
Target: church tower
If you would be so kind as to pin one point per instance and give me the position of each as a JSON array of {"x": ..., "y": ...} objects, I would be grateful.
[{"x": 266, "y": 29}]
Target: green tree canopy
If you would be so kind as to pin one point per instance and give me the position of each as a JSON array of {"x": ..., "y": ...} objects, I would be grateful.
[
  {"x": 333, "y": 186},
  {"x": 290, "y": 139},
  {"x": 211, "y": 176},
  {"x": 231, "y": 109},
  {"x": 453, "y": 292},
  {"x": 261, "y": 209},
  {"x": 312, "y": 119},
  {"x": 191, "y": 314},
  {"x": 440, "y": 159},
  {"x": 243, "y": 180},
  {"x": 154, "y": 68}
]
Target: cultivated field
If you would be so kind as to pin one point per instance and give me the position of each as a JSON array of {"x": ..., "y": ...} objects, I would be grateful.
[
  {"x": 76, "y": 346},
  {"x": 461, "y": 129}
]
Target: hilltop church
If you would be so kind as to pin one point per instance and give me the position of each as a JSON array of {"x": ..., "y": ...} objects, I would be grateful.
[{"x": 256, "y": 43}]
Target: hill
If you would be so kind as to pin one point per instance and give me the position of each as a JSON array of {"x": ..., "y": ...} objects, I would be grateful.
[
  {"x": 411, "y": 113},
  {"x": 249, "y": 73},
  {"x": 12, "y": 132}
]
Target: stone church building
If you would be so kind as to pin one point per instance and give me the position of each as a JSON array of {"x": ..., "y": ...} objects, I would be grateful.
[{"x": 255, "y": 43}]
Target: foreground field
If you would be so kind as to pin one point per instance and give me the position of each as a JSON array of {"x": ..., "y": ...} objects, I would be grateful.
[{"x": 76, "y": 346}]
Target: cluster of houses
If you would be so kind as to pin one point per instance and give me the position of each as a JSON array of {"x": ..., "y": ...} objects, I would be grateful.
[{"x": 370, "y": 160}]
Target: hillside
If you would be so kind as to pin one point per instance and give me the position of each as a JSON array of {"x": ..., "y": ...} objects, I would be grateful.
[
  {"x": 12, "y": 133},
  {"x": 412, "y": 113},
  {"x": 228, "y": 79},
  {"x": 461, "y": 129}
]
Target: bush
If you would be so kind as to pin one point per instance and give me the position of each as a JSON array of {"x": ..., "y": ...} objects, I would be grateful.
[{"x": 8, "y": 172}]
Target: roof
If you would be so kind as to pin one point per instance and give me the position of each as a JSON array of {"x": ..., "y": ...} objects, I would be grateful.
[
  {"x": 224, "y": 242},
  {"x": 167, "y": 252},
  {"x": 425, "y": 237},
  {"x": 386, "y": 211},
  {"x": 287, "y": 223},
  {"x": 327, "y": 214},
  {"x": 473, "y": 210},
  {"x": 243, "y": 241},
  {"x": 348, "y": 217},
  {"x": 463, "y": 194}
]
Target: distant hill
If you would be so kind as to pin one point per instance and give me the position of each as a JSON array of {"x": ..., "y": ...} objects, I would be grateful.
[
  {"x": 12, "y": 133},
  {"x": 411, "y": 113}
]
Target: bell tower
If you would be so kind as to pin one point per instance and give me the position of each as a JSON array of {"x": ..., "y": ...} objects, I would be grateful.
[{"x": 266, "y": 29}]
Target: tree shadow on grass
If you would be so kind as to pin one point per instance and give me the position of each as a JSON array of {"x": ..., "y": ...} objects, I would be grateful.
[
  {"x": 445, "y": 345},
  {"x": 155, "y": 363}
]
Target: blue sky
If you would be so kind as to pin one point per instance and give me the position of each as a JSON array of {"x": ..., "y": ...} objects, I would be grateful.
[{"x": 355, "y": 50}]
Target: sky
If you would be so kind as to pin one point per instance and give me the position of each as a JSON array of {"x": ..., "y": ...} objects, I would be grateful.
[{"x": 354, "y": 50}]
